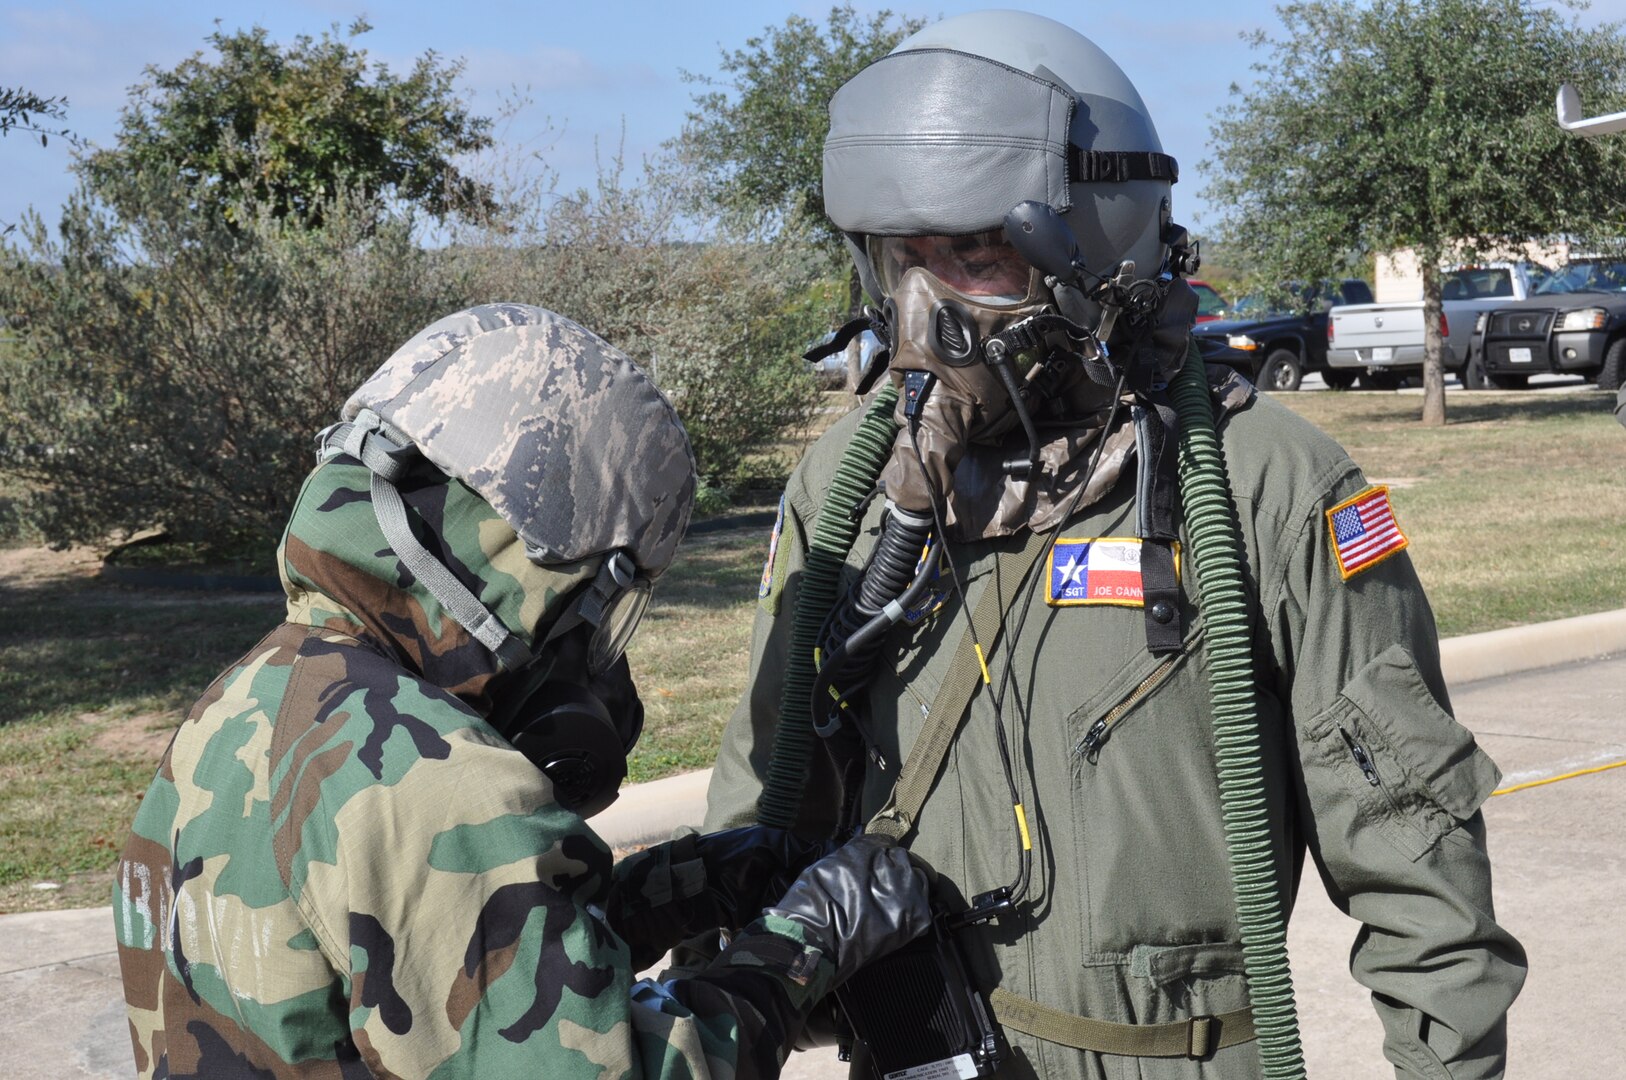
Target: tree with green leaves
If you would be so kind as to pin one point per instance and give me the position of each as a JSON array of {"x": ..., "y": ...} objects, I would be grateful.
[
  {"x": 168, "y": 366},
  {"x": 22, "y": 110},
  {"x": 1423, "y": 124},
  {"x": 757, "y": 132},
  {"x": 295, "y": 126},
  {"x": 718, "y": 324}
]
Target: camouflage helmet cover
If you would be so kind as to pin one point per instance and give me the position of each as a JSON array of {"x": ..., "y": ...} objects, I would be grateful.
[{"x": 558, "y": 430}]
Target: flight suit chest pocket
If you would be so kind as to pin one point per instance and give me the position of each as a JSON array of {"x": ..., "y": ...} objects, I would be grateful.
[{"x": 1414, "y": 772}]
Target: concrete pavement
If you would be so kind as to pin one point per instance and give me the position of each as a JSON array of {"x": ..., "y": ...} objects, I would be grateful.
[{"x": 1559, "y": 855}]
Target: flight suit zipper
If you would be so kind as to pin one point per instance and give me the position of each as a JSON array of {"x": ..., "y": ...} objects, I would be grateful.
[
  {"x": 1096, "y": 736},
  {"x": 1368, "y": 765}
]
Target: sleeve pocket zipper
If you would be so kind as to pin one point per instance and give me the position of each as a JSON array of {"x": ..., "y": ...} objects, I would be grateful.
[
  {"x": 1362, "y": 758},
  {"x": 1096, "y": 737}
]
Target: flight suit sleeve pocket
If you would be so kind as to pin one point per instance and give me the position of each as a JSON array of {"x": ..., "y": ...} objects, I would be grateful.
[{"x": 1422, "y": 773}]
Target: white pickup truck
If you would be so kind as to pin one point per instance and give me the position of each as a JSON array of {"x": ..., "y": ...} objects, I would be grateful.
[{"x": 1383, "y": 343}]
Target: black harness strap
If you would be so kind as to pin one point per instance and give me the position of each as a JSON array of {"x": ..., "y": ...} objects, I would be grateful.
[
  {"x": 1158, "y": 500},
  {"x": 1117, "y": 166}
]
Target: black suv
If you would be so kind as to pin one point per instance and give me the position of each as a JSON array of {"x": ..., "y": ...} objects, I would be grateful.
[
  {"x": 1574, "y": 323},
  {"x": 1276, "y": 347}
]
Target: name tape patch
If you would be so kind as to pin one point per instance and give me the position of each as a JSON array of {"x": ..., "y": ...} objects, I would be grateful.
[
  {"x": 1098, "y": 570},
  {"x": 1364, "y": 531}
]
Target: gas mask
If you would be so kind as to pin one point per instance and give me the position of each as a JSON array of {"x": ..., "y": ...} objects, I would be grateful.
[
  {"x": 574, "y": 711},
  {"x": 945, "y": 295},
  {"x": 583, "y": 460}
]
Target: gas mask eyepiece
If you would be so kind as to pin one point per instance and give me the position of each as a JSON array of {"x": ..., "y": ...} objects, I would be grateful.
[
  {"x": 612, "y": 605},
  {"x": 982, "y": 267}
]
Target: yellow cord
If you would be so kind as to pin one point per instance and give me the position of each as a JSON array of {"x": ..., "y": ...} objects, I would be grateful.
[
  {"x": 986, "y": 681},
  {"x": 1022, "y": 823},
  {"x": 1556, "y": 779}
]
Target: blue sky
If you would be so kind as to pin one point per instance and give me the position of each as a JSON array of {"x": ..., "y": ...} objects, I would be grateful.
[{"x": 591, "y": 68}]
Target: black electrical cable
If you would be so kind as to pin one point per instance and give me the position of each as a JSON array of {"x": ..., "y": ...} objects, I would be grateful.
[
  {"x": 1024, "y": 859},
  {"x": 1019, "y": 889}
]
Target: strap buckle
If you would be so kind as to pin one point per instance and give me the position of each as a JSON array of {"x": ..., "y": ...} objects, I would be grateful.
[{"x": 1202, "y": 1036}]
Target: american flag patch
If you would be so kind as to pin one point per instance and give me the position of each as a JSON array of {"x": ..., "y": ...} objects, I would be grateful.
[{"x": 1364, "y": 531}]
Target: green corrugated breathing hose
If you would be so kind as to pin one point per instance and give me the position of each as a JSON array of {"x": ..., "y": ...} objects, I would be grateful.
[
  {"x": 832, "y": 539},
  {"x": 1216, "y": 554}
]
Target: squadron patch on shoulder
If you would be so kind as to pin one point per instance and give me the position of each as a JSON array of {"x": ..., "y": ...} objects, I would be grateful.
[
  {"x": 1098, "y": 570},
  {"x": 773, "y": 551},
  {"x": 1364, "y": 531}
]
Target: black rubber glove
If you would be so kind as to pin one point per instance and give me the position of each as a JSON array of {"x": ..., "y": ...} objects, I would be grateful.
[
  {"x": 858, "y": 904},
  {"x": 673, "y": 891},
  {"x": 849, "y": 908}
]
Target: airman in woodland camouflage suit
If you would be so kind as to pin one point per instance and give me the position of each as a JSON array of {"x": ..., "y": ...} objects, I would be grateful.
[{"x": 343, "y": 867}]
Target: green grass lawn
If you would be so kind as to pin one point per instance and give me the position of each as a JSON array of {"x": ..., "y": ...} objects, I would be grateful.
[
  {"x": 1515, "y": 511},
  {"x": 690, "y": 655},
  {"x": 92, "y": 680}
]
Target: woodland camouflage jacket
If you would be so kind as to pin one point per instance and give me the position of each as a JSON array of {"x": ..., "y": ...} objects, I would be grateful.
[{"x": 341, "y": 870}]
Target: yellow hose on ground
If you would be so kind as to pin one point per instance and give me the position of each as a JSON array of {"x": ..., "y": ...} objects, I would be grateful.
[{"x": 1555, "y": 779}]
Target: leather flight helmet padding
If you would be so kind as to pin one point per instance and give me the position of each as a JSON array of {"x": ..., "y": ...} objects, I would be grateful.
[{"x": 935, "y": 141}]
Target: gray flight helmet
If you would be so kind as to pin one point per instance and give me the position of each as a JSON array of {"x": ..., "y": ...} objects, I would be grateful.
[{"x": 975, "y": 114}]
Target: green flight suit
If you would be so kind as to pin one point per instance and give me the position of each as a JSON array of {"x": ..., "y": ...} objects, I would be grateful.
[{"x": 1130, "y": 917}]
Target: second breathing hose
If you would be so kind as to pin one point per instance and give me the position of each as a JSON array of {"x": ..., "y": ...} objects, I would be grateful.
[
  {"x": 817, "y": 593},
  {"x": 1216, "y": 554}
]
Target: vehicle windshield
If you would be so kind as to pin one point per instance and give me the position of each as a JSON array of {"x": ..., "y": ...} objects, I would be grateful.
[
  {"x": 1477, "y": 283},
  {"x": 1589, "y": 275},
  {"x": 1209, "y": 302},
  {"x": 1256, "y": 306},
  {"x": 1296, "y": 298}
]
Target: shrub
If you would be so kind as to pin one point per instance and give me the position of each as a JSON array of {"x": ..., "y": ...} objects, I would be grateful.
[
  {"x": 719, "y": 322},
  {"x": 169, "y": 369}
]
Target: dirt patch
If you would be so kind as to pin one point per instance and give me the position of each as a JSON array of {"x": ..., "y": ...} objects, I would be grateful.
[
  {"x": 40, "y": 567},
  {"x": 142, "y": 737},
  {"x": 73, "y": 577},
  {"x": 90, "y": 888}
]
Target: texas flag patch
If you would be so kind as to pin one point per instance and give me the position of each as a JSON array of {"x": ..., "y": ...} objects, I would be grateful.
[
  {"x": 1364, "y": 531},
  {"x": 1098, "y": 570}
]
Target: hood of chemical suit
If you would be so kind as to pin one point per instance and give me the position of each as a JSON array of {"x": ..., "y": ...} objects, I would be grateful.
[{"x": 340, "y": 574}]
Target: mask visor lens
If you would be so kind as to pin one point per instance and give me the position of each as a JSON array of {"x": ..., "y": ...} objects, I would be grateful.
[
  {"x": 615, "y": 629},
  {"x": 983, "y": 265}
]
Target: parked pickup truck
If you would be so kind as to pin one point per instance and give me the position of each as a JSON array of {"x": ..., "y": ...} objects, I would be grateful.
[
  {"x": 1575, "y": 322},
  {"x": 1280, "y": 345},
  {"x": 1383, "y": 343}
]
